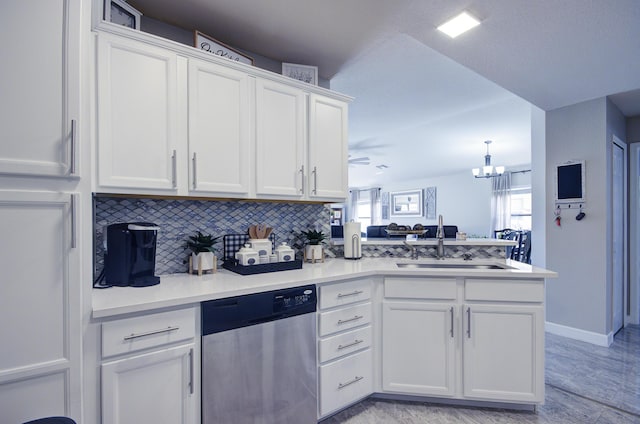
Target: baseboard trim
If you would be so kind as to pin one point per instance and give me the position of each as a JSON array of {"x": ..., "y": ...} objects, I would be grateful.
[{"x": 578, "y": 334}]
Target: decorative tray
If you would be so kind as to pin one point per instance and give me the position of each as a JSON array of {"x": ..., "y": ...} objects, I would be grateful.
[
  {"x": 404, "y": 232},
  {"x": 232, "y": 265}
]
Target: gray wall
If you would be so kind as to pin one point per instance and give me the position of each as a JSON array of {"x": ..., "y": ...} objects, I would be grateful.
[
  {"x": 580, "y": 250},
  {"x": 576, "y": 250},
  {"x": 539, "y": 212},
  {"x": 633, "y": 129},
  {"x": 461, "y": 199}
]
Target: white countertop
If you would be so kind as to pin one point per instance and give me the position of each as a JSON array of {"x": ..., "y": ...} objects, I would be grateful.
[
  {"x": 430, "y": 242},
  {"x": 184, "y": 289}
]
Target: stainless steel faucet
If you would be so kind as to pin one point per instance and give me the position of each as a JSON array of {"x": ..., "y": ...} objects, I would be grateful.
[
  {"x": 414, "y": 251},
  {"x": 440, "y": 237}
]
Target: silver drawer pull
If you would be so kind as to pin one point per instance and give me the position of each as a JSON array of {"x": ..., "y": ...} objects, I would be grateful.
[
  {"x": 353, "y": 293},
  {"x": 150, "y": 333},
  {"x": 348, "y": 383},
  {"x": 357, "y": 317},
  {"x": 356, "y": 342}
]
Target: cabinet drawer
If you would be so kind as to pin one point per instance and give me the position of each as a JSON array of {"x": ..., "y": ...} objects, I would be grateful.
[
  {"x": 343, "y": 344},
  {"x": 345, "y": 381},
  {"x": 344, "y": 293},
  {"x": 345, "y": 318},
  {"x": 504, "y": 290},
  {"x": 143, "y": 332},
  {"x": 420, "y": 288}
]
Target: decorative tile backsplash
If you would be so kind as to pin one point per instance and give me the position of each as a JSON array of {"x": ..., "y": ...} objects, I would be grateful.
[{"x": 179, "y": 219}]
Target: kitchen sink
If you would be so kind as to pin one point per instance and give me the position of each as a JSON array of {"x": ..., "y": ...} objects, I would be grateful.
[{"x": 451, "y": 265}]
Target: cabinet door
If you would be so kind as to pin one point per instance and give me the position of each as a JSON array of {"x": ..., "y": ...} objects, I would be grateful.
[
  {"x": 39, "y": 86},
  {"x": 281, "y": 136},
  {"x": 39, "y": 307},
  {"x": 219, "y": 129},
  {"x": 327, "y": 148},
  {"x": 503, "y": 352},
  {"x": 156, "y": 387},
  {"x": 418, "y": 348},
  {"x": 137, "y": 117}
]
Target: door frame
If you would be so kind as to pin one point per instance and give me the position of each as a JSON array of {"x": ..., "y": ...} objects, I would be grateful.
[
  {"x": 616, "y": 142},
  {"x": 633, "y": 285}
]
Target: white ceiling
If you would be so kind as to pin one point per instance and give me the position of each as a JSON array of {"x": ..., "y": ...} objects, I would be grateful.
[{"x": 424, "y": 103}]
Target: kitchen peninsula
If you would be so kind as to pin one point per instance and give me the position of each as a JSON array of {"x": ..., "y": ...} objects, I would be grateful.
[{"x": 471, "y": 333}]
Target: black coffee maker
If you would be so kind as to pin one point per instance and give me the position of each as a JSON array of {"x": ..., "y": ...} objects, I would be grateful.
[{"x": 130, "y": 257}]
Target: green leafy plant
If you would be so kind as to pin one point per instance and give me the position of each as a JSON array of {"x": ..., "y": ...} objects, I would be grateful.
[
  {"x": 201, "y": 243},
  {"x": 314, "y": 237}
]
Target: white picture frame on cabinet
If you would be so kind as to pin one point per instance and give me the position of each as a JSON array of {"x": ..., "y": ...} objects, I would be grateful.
[
  {"x": 304, "y": 73},
  {"x": 121, "y": 13}
]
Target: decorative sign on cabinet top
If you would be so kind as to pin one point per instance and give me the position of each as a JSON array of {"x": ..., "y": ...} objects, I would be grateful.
[{"x": 211, "y": 45}]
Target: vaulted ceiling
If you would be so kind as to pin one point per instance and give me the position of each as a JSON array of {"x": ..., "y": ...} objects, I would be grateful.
[{"x": 424, "y": 103}]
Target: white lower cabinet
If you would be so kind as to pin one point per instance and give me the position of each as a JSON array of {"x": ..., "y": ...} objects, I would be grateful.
[
  {"x": 345, "y": 338},
  {"x": 40, "y": 357},
  {"x": 150, "y": 369},
  {"x": 419, "y": 348},
  {"x": 503, "y": 353},
  {"x": 490, "y": 347},
  {"x": 345, "y": 381},
  {"x": 156, "y": 387}
]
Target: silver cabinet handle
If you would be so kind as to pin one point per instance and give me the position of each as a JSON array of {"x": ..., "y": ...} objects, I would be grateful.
[
  {"x": 191, "y": 372},
  {"x": 302, "y": 179},
  {"x": 72, "y": 148},
  {"x": 348, "y": 383},
  {"x": 451, "y": 312},
  {"x": 195, "y": 173},
  {"x": 74, "y": 235},
  {"x": 468, "y": 323},
  {"x": 174, "y": 171},
  {"x": 133, "y": 336},
  {"x": 354, "y": 343},
  {"x": 353, "y": 293},
  {"x": 357, "y": 317},
  {"x": 315, "y": 180}
]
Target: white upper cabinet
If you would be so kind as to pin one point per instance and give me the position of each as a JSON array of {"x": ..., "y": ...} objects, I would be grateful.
[
  {"x": 171, "y": 121},
  {"x": 280, "y": 139},
  {"x": 39, "y": 86},
  {"x": 219, "y": 129},
  {"x": 137, "y": 116},
  {"x": 328, "y": 177}
]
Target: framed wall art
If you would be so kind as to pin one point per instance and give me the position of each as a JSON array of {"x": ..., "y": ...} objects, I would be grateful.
[
  {"x": 308, "y": 74},
  {"x": 209, "y": 44},
  {"x": 406, "y": 203}
]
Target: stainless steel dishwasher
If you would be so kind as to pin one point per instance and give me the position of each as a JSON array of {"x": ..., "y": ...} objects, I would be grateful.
[{"x": 259, "y": 358}]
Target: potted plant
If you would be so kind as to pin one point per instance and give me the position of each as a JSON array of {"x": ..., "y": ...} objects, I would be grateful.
[
  {"x": 202, "y": 252},
  {"x": 313, "y": 250}
]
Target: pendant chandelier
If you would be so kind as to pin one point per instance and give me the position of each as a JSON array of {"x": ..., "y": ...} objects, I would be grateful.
[{"x": 488, "y": 171}]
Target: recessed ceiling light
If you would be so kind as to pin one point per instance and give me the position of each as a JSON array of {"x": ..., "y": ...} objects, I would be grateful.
[{"x": 461, "y": 23}]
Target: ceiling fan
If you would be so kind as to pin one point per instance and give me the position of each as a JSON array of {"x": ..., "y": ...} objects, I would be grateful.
[{"x": 363, "y": 160}]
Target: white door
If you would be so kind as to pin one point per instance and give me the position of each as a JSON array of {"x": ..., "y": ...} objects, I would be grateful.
[
  {"x": 137, "y": 117},
  {"x": 327, "y": 148},
  {"x": 39, "y": 307},
  {"x": 280, "y": 139},
  {"x": 220, "y": 130},
  {"x": 40, "y": 86},
  {"x": 418, "y": 348},
  {"x": 156, "y": 387},
  {"x": 503, "y": 353},
  {"x": 619, "y": 240}
]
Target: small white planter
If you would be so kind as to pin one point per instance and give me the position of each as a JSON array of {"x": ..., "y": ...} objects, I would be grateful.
[
  {"x": 203, "y": 261},
  {"x": 313, "y": 253}
]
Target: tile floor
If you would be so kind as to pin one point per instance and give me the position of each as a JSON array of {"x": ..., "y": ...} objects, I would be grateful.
[{"x": 584, "y": 384}]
